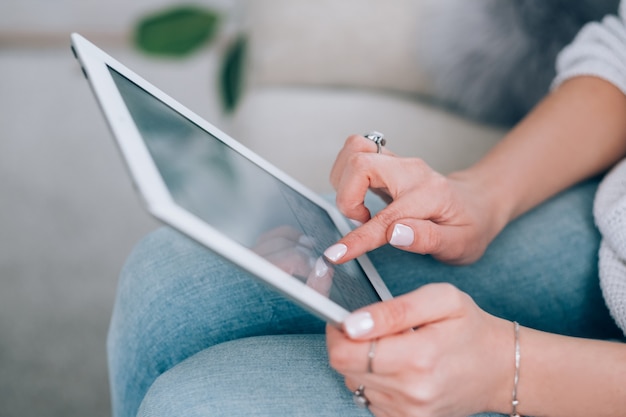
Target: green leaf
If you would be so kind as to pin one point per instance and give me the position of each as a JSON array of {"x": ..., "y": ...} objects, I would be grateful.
[
  {"x": 232, "y": 74},
  {"x": 176, "y": 31}
]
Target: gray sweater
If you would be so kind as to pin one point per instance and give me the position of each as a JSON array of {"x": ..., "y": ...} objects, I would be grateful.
[{"x": 600, "y": 50}]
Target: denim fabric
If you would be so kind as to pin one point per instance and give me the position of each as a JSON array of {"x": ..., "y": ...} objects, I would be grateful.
[
  {"x": 260, "y": 376},
  {"x": 210, "y": 335}
]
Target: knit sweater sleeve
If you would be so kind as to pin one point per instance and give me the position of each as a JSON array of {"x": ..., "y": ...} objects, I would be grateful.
[
  {"x": 598, "y": 50},
  {"x": 610, "y": 215}
]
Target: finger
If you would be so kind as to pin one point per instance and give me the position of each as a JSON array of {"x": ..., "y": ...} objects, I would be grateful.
[
  {"x": 361, "y": 240},
  {"x": 445, "y": 242},
  {"x": 351, "y": 188},
  {"x": 372, "y": 234},
  {"x": 419, "y": 226},
  {"x": 360, "y": 173},
  {"x": 374, "y": 392},
  {"x": 352, "y": 358},
  {"x": 353, "y": 144},
  {"x": 429, "y": 304},
  {"x": 394, "y": 355}
]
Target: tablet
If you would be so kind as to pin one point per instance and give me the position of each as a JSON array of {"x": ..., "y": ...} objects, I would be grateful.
[{"x": 198, "y": 180}]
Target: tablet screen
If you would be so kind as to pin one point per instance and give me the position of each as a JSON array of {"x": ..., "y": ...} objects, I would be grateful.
[{"x": 232, "y": 194}]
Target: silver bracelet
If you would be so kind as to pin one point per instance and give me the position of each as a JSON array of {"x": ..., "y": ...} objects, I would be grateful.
[{"x": 515, "y": 401}]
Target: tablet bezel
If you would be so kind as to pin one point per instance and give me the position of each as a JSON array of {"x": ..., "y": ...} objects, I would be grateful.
[{"x": 150, "y": 185}]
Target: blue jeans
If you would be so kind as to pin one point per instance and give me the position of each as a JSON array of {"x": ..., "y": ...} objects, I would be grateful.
[{"x": 191, "y": 335}]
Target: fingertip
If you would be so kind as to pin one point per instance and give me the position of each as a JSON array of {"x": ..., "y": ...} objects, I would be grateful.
[
  {"x": 335, "y": 252},
  {"x": 356, "y": 243},
  {"x": 358, "y": 324},
  {"x": 402, "y": 235}
]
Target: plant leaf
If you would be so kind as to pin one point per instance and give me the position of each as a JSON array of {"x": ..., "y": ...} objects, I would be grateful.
[
  {"x": 232, "y": 74},
  {"x": 177, "y": 31}
]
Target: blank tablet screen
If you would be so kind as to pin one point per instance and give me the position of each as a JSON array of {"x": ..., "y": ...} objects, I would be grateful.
[{"x": 235, "y": 196}]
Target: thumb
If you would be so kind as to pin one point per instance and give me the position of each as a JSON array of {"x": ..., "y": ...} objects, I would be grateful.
[
  {"x": 429, "y": 304},
  {"x": 447, "y": 243}
]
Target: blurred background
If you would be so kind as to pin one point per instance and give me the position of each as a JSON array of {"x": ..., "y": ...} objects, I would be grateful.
[
  {"x": 307, "y": 75},
  {"x": 68, "y": 216}
]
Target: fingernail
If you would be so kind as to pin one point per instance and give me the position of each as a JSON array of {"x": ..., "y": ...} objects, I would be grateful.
[
  {"x": 321, "y": 268},
  {"x": 358, "y": 324},
  {"x": 336, "y": 252},
  {"x": 356, "y": 223},
  {"x": 402, "y": 235}
]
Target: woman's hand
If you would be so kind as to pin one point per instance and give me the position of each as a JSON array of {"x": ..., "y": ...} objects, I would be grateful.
[
  {"x": 451, "y": 217},
  {"x": 458, "y": 361}
]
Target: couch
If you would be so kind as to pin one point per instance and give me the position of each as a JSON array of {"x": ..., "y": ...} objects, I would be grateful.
[{"x": 319, "y": 71}]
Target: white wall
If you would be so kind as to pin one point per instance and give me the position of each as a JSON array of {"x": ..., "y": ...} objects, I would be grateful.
[{"x": 48, "y": 21}]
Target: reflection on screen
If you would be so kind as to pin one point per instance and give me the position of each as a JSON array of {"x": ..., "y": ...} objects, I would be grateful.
[{"x": 242, "y": 201}]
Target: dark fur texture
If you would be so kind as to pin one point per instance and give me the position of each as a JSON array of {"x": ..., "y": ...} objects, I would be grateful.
[{"x": 493, "y": 60}]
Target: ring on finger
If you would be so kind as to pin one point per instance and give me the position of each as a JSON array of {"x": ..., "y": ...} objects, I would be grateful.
[
  {"x": 378, "y": 138},
  {"x": 359, "y": 397}
]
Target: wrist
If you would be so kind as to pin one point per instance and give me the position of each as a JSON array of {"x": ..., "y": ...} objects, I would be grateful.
[{"x": 503, "y": 382}]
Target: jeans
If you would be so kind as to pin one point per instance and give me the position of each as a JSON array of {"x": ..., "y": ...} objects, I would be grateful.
[{"x": 192, "y": 335}]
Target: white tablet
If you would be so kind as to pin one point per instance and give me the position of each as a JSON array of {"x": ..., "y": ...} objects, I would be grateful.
[{"x": 198, "y": 180}]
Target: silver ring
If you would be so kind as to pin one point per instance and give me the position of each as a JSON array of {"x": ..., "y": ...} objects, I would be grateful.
[
  {"x": 378, "y": 138},
  {"x": 359, "y": 397},
  {"x": 370, "y": 356}
]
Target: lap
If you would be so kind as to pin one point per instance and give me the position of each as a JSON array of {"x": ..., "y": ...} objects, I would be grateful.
[
  {"x": 260, "y": 376},
  {"x": 176, "y": 299}
]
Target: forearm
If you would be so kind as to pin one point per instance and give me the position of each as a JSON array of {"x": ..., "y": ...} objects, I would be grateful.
[
  {"x": 565, "y": 376},
  {"x": 578, "y": 131}
]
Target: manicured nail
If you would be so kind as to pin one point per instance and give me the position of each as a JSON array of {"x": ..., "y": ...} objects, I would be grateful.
[
  {"x": 321, "y": 268},
  {"x": 356, "y": 223},
  {"x": 358, "y": 324},
  {"x": 402, "y": 235},
  {"x": 336, "y": 252}
]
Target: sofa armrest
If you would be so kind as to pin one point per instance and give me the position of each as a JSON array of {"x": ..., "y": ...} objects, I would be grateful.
[
  {"x": 301, "y": 129},
  {"x": 348, "y": 43}
]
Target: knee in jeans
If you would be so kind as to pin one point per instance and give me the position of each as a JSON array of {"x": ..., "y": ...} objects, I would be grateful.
[{"x": 158, "y": 257}]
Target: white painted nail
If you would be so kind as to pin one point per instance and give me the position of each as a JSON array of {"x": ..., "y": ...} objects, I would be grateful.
[
  {"x": 321, "y": 268},
  {"x": 358, "y": 324},
  {"x": 336, "y": 252},
  {"x": 402, "y": 235}
]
